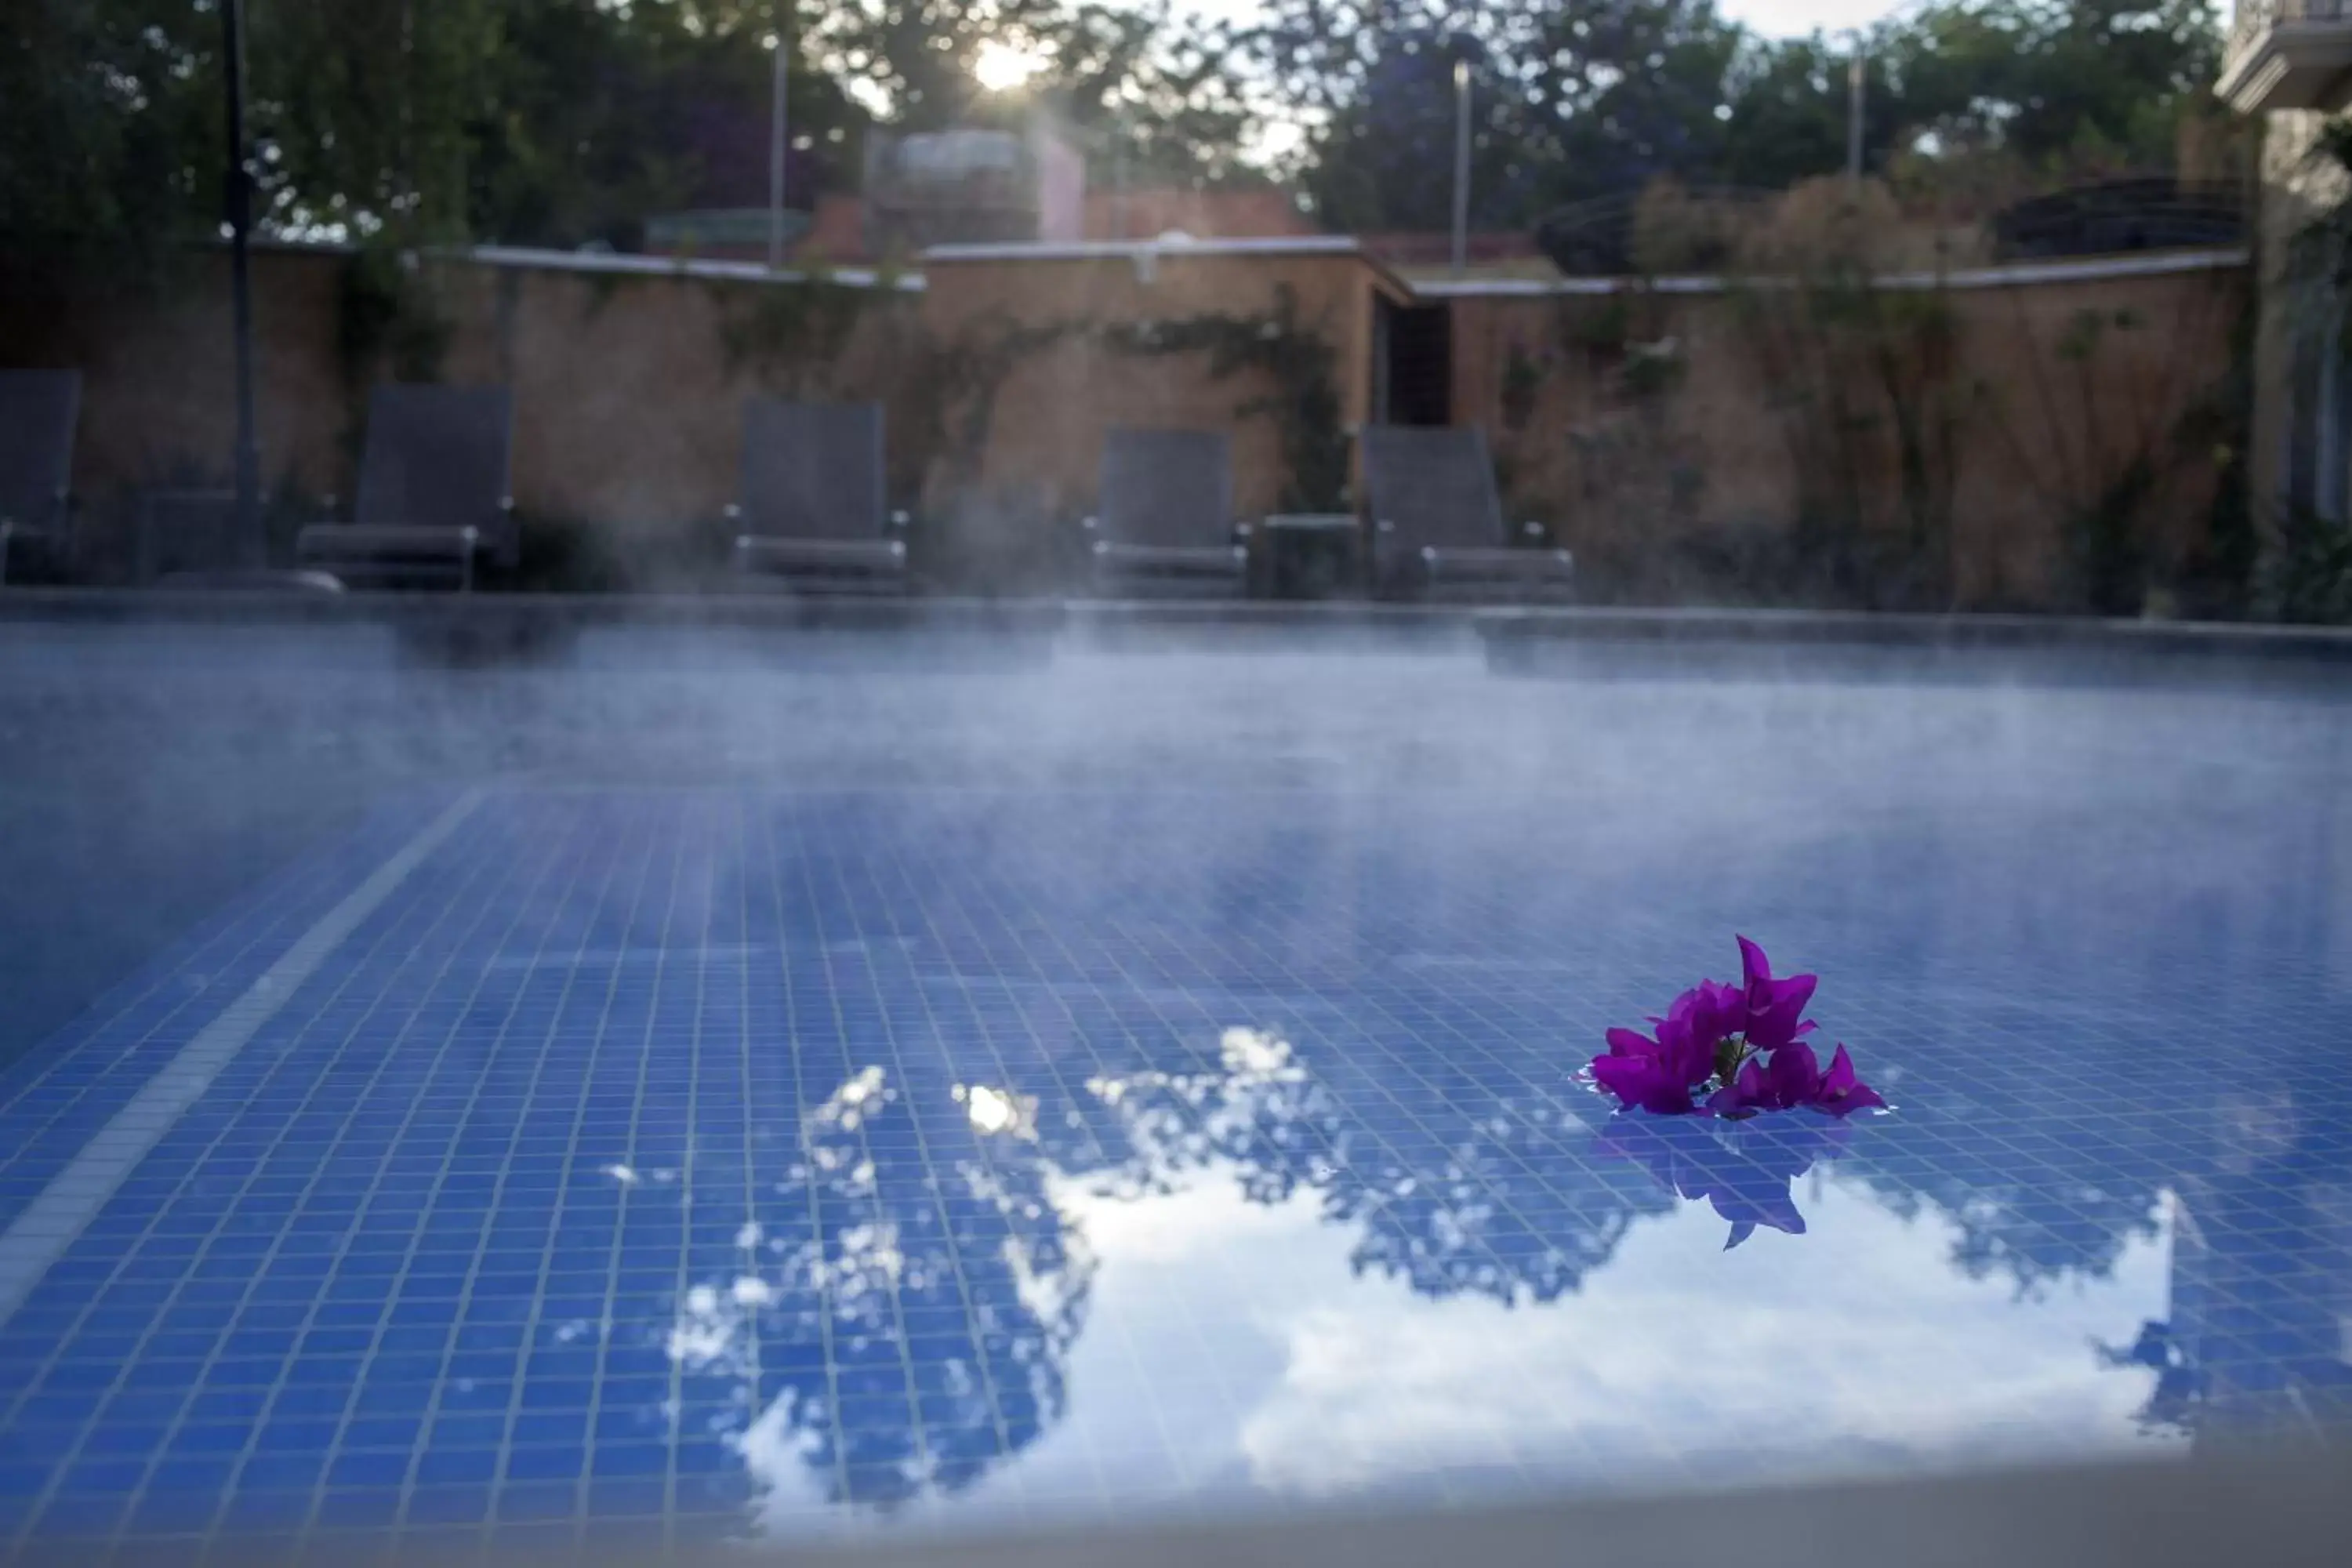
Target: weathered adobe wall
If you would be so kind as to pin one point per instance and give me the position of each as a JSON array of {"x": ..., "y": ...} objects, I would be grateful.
[{"x": 1645, "y": 428}]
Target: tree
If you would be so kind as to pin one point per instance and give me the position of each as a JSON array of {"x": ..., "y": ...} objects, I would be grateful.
[
  {"x": 602, "y": 117},
  {"x": 2038, "y": 89},
  {"x": 110, "y": 148},
  {"x": 1638, "y": 90},
  {"x": 2045, "y": 80},
  {"x": 1136, "y": 82},
  {"x": 1570, "y": 99}
]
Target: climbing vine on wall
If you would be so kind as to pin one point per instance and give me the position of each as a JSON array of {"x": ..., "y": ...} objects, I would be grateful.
[
  {"x": 1857, "y": 372},
  {"x": 2307, "y": 574},
  {"x": 792, "y": 335},
  {"x": 1627, "y": 454},
  {"x": 1300, "y": 361},
  {"x": 957, "y": 383},
  {"x": 390, "y": 319}
]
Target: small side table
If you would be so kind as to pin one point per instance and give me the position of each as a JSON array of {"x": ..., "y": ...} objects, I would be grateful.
[{"x": 1312, "y": 555}]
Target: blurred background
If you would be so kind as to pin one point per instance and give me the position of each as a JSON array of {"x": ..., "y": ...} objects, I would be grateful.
[{"x": 1988, "y": 304}]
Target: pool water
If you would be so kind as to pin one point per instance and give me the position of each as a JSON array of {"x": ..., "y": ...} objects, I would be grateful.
[{"x": 1089, "y": 1125}]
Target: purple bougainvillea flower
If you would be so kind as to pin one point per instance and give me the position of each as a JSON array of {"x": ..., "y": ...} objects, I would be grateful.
[
  {"x": 1712, "y": 1012},
  {"x": 1746, "y": 1094},
  {"x": 1793, "y": 1077},
  {"x": 1775, "y": 1009},
  {"x": 1745, "y": 1041},
  {"x": 1657, "y": 1075},
  {"x": 1839, "y": 1090}
]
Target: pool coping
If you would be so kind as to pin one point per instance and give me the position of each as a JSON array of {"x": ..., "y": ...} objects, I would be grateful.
[
  {"x": 520, "y": 622},
  {"x": 2139, "y": 1512}
]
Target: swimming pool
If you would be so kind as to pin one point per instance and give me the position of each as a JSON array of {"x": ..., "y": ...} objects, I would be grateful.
[{"x": 668, "y": 1100}]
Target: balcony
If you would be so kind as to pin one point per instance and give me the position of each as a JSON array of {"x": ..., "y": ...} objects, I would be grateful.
[{"x": 2288, "y": 54}]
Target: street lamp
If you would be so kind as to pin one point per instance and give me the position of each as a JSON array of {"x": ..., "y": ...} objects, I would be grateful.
[
  {"x": 1460, "y": 165},
  {"x": 1464, "y": 49},
  {"x": 1857, "y": 71},
  {"x": 239, "y": 202},
  {"x": 779, "y": 103}
]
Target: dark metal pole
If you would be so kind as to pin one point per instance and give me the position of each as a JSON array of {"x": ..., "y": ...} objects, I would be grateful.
[
  {"x": 1857, "y": 71},
  {"x": 240, "y": 235},
  {"x": 778, "y": 122}
]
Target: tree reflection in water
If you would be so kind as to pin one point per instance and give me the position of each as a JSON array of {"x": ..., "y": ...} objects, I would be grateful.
[
  {"x": 919, "y": 1331},
  {"x": 944, "y": 1318},
  {"x": 1467, "y": 1197},
  {"x": 2259, "y": 1336}
]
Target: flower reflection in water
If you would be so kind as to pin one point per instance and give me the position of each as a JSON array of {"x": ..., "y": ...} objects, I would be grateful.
[
  {"x": 1744, "y": 1169},
  {"x": 909, "y": 1313}
]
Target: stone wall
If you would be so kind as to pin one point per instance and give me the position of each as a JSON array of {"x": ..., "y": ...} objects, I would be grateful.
[
  {"x": 1675, "y": 438},
  {"x": 1093, "y": 342},
  {"x": 1700, "y": 445}
]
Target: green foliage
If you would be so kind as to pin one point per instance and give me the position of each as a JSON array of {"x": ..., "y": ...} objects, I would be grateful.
[
  {"x": 560, "y": 122},
  {"x": 1570, "y": 98},
  {"x": 2308, "y": 577},
  {"x": 1602, "y": 329},
  {"x": 1297, "y": 359},
  {"x": 790, "y": 334},
  {"x": 2319, "y": 254},
  {"x": 1859, "y": 373},
  {"x": 1580, "y": 99},
  {"x": 416, "y": 121},
  {"x": 1653, "y": 371},
  {"x": 1523, "y": 379},
  {"x": 2106, "y": 548},
  {"x": 2307, "y": 574},
  {"x": 110, "y": 134},
  {"x": 1141, "y": 84},
  {"x": 389, "y": 321}
]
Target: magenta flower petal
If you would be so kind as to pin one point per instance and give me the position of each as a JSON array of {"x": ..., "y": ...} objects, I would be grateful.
[
  {"x": 1642, "y": 1082},
  {"x": 1775, "y": 1008},
  {"x": 1783, "y": 1018},
  {"x": 1626, "y": 1043},
  {"x": 1722, "y": 1009},
  {"x": 1657, "y": 1075},
  {"x": 1840, "y": 1091},
  {"x": 1795, "y": 1074}
]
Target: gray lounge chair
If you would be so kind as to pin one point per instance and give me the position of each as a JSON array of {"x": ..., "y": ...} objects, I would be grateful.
[
  {"x": 39, "y": 410},
  {"x": 194, "y": 540},
  {"x": 435, "y": 493},
  {"x": 814, "y": 516},
  {"x": 1437, "y": 525},
  {"x": 1165, "y": 517}
]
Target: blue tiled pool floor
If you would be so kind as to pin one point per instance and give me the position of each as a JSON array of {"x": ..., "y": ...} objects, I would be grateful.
[{"x": 677, "y": 1163}]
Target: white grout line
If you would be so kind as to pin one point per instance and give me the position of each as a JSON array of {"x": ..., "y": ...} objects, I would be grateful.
[{"x": 50, "y": 1223}]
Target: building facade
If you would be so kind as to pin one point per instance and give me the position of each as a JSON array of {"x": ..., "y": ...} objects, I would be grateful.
[{"x": 2290, "y": 61}]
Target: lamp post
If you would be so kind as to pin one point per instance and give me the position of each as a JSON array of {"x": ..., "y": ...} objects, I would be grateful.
[
  {"x": 1857, "y": 71},
  {"x": 777, "y": 123},
  {"x": 1461, "y": 164},
  {"x": 239, "y": 203}
]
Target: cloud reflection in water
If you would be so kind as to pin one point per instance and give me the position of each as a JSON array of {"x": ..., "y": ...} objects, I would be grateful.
[{"x": 1298, "y": 1286}]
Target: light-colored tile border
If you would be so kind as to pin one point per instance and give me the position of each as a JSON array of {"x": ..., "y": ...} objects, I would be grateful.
[{"x": 50, "y": 1223}]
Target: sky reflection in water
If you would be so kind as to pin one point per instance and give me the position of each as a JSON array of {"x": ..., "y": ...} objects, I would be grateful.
[{"x": 1237, "y": 1306}]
